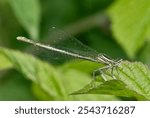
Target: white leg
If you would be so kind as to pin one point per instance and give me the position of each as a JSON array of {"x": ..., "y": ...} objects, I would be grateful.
[{"x": 100, "y": 70}]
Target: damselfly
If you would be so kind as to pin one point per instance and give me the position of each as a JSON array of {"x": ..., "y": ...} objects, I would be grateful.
[{"x": 110, "y": 64}]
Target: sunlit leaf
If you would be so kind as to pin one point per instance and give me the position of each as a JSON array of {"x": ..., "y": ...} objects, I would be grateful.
[
  {"x": 130, "y": 24},
  {"x": 37, "y": 71},
  {"x": 144, "y": 54},
  {"x": 51, "y": 83},
  {"x": 4, "y": 63},
  {"x": 133, "y": 80},
  {"x": 28, "y": 13}
]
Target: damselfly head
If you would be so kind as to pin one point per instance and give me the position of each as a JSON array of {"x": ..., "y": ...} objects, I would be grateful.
[{"x": 101, "y": 58}]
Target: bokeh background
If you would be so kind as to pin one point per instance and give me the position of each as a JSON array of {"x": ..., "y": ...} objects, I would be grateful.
[{"x": 120, "y": 29}]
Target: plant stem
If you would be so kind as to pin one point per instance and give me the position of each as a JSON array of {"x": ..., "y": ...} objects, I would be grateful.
[{"x": 99, "y": 19}]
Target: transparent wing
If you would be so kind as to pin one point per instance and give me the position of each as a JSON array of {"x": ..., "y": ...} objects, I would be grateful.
[{"x": 63, "y": 41}]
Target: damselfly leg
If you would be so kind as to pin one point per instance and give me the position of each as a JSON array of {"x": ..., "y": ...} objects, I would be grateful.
[
  {"x": 110, "y": 65},
  {"x": 101, "y": 72}
]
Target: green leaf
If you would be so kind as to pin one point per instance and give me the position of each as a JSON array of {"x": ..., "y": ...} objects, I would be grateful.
[
  {"x": 37, "y": 71},
  {"x": 74, "y": 80},
  {"x": 130, "y": 24},
  {"x": 144, "y": 55},
  {"x": 133, "y": 80},
  {"x": 148, "y": 33},
  {"x": 80, "y": 66},
  {"x": 4, "y": 63},
  {"x": 28, "y": 13},
  {"x": 51, "y": 83}
]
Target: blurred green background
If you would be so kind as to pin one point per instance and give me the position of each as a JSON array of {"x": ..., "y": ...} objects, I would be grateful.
[{"x": 120, "y": 29}]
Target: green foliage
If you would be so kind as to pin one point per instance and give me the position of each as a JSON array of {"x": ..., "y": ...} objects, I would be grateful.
[
  {"x": 88, "y": 19},
  {"x": 4, "y": 62},
  {"x": 28, "y": 13},
  {"x": 130, "y": 24},
  {"x": 144, "y": 54},
  {"x": 15, "y": 87},
  {"x": 50, "y": 83},
  {"x": 133, "y": 79}
]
